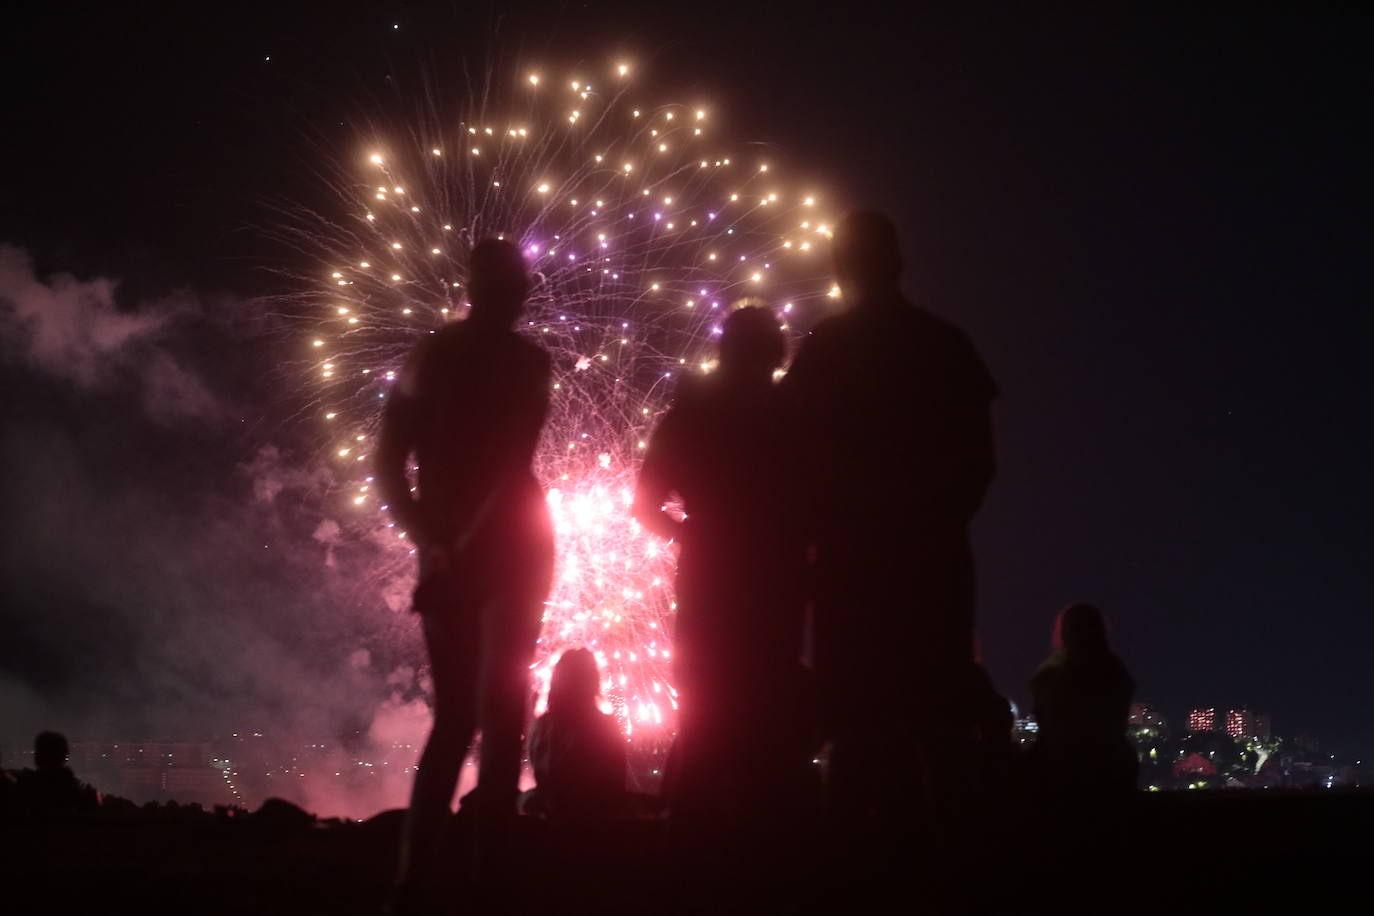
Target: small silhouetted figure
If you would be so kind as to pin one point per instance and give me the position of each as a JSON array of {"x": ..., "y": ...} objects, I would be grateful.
[
  {"x": 740, "y": 591},
  {"x": 893, "y": 406},
  {"x": 1081, "y": 698},
  {"x": 577, "y": 751},
  {"x": 51, "y": 787},
  {"x": 469, "y": 405}
]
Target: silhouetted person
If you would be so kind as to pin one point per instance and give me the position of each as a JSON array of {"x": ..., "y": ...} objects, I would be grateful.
[
  {"x": 469, "y": 405},
  {"x": 893, "y": 405},
  {"x": 1081, "y": 698},
  {"x": 577, "y": 751},
  {"x": 740, "y": 591},
  {"x": 51, "y": 787}
]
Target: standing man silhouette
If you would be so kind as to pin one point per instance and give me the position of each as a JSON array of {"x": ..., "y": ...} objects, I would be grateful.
[
  {"x": 469, "y": 405},
  {"x": 893, "y": 407}
]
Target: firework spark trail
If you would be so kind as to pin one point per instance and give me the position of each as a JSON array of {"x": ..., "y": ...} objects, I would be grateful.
[{"x": 640, "y": 231}]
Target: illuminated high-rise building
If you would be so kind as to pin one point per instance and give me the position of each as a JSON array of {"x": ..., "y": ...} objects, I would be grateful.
[
  {"x": 1202, "y": 720},
  {"x": 1242, "y": 723}
]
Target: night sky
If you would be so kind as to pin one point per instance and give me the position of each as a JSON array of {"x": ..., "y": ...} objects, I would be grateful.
[{"x": 1154, "y": 226}]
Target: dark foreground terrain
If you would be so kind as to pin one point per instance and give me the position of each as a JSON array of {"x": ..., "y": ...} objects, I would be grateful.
[{"x": 1166, "y": 853}]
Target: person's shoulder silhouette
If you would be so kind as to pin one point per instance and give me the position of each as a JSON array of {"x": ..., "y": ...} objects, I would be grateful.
[
  {"x": 719, "y": 446},
  {"x": 857, "y": 368},
  {"x": 451, "y": 348},
  {"x": 868, "y": 266}
]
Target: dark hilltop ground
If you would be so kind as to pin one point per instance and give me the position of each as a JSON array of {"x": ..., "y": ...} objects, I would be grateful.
[{"x": 1170, "y": 852}]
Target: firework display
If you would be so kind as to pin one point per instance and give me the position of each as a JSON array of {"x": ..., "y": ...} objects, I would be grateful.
[{"x": 641, "y": 228}]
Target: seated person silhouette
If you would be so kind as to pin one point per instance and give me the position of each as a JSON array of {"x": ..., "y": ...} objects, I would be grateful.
[
  {"x": 51, "y": 787},
  {"x": 469, "y": 406},
  {"x": 577, "y": 751},
  {"x": 722, "y": 450},
  {"x": 1081, "y": 697}
]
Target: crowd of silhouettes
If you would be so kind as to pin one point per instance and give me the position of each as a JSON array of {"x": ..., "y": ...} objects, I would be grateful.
[
  {"x": 831, "y": 508},
  {"x": 825, "y": 591}
]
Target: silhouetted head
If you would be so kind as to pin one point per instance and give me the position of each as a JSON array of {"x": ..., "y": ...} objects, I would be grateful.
[
  {"x": 751, "y": 343},
  {"x": 497, "y": 282},
  {"x": 576, "y": 682},
  {"x": 50, "y": 751},
  {"x": 868, "y": 256},
  {"x": 1080, "y": 628}
]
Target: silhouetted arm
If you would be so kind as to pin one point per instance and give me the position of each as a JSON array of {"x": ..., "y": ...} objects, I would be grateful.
[
  {"x": 400, "y": 424},
  {"x": 656, "y": 482}
]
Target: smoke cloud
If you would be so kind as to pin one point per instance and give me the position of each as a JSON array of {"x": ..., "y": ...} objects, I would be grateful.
[
  {"x": 170, "y": 564},
  {"x": 74, "y": 330}
]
